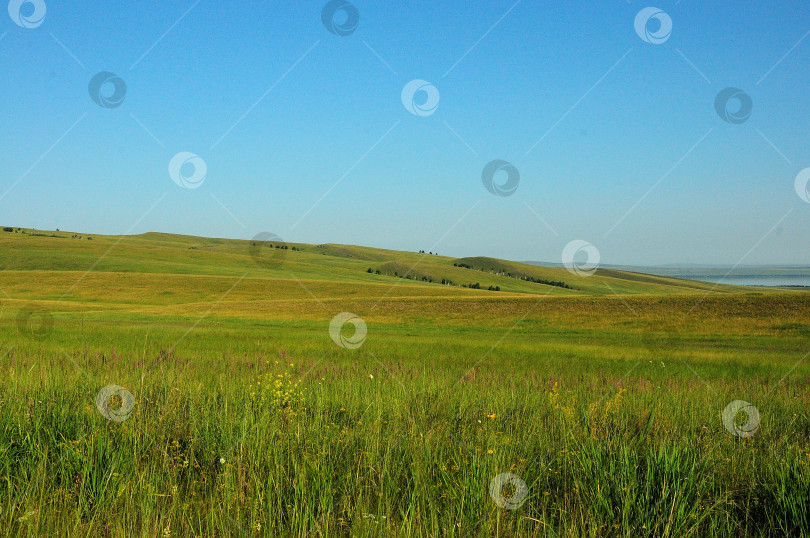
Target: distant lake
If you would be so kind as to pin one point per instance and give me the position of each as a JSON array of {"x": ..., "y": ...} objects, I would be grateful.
[
  {"x": 764, "y": 276},
  {"x": 753, "y": 280}
]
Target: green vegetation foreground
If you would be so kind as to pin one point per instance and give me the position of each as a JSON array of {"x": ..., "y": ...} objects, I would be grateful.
[{"x": 538, "y": 410}]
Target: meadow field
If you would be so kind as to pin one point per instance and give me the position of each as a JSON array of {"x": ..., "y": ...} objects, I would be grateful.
[{"x": 163, "y": 385}]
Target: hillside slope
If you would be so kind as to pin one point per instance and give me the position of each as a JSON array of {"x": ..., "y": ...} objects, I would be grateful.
[{"x": 161, "y": 266}]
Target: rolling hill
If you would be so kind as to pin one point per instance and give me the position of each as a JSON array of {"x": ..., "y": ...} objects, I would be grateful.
[{"x": 168, "y": 269}]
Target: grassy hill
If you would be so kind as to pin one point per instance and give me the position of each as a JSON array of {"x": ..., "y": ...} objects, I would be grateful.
[{"x": 159, "y": 268}]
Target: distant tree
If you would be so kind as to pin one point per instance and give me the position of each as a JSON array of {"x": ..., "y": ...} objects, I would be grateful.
[
  {"x": 377, "y": 272},
  {"x": 369, "y": 270}
]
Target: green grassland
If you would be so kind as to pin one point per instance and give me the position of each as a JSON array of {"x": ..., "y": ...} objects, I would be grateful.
[{"x": 605, "y": 395}]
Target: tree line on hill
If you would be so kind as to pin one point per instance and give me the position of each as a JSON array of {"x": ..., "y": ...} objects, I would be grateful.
[
  {"x": 9, "y": 229},
  {"x": 520, "y": 276},
  {"x": 427, "y": 278},
  {"x": 282, "y": 247},
  {"x": 477, "y": 285}
]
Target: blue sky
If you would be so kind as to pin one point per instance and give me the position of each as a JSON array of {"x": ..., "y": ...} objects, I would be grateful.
[{"x": 304, "y": 133}]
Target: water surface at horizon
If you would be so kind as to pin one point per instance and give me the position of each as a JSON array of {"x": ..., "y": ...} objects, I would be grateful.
[{"x": 753, "y": 280}]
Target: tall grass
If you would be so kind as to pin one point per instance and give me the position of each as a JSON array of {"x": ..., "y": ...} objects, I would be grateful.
[{"x": 365, "y": 446}]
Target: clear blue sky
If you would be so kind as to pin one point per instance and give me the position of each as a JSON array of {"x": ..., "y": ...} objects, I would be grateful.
[{"x": 607, "y": 114}]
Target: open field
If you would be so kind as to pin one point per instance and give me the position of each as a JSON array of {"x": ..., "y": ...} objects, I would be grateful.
[{"x": 604, "y": 396}]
